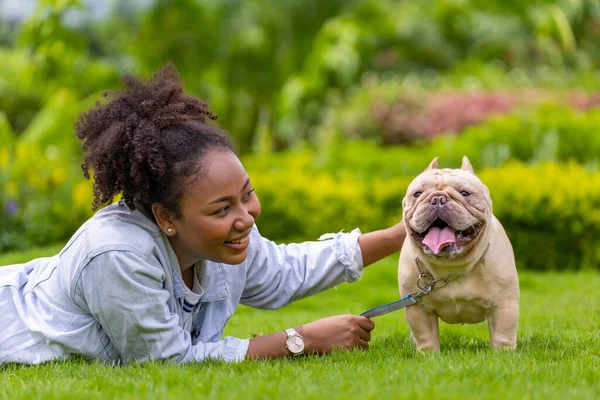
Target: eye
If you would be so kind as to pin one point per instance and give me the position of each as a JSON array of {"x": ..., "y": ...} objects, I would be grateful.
[
  {"x": 417, "y": 194},
  {"x": 222, "y": 211},
  {"x": 465, "y": 193},
  {"x": 247, "y": 195}
]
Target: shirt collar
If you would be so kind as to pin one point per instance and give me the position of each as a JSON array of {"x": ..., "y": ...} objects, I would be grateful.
[{"x": 212, "y": 280}]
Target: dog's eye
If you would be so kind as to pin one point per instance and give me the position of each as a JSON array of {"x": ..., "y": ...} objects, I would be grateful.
[
  {"x": 465, "y": 193},
  {"x": 417, "y": 194}
]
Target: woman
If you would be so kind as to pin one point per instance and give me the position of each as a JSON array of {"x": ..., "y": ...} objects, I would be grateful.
[{"x": 158, "y": 274}]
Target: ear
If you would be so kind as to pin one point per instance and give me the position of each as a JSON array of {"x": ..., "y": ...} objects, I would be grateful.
[
  {"x": 164, "y": 219},
  {"x": 466, "y": 165},
  {"x": 433, "y": 164}
]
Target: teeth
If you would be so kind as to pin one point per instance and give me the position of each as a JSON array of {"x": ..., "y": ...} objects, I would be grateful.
[{"x": 239, "y": 241}]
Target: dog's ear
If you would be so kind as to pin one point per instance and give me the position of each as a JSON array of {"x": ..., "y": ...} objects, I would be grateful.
[
  {"x": 466, "y": 165},
  {"x": 433, "y": 164}
]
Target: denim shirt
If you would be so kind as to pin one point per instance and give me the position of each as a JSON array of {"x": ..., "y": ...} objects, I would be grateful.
[{"x": 115, "y": 294}]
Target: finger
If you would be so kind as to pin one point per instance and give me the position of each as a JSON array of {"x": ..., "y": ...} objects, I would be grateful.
[
  {"x": 364, "y": 335},
  {"x": 365, "y": 323},
  {"x": 361, "y": 345}
]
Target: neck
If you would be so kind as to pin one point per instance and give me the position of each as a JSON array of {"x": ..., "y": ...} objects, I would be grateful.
[
  {"x": 185, "y": 260},
  {"x": 188, "y": 277},
  {"x": 186, "y": 263}
]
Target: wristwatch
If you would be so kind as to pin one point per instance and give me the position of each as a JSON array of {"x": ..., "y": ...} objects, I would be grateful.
[{"x": 294, "y": 342}]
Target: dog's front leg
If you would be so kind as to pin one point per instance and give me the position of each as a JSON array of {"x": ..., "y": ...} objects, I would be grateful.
[
  {"x": 502, "y": 324},
  {"x": 424, "y": 328}
]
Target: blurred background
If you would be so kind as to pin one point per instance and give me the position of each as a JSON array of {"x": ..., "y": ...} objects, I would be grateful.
[{"x": 334, "y": 107}]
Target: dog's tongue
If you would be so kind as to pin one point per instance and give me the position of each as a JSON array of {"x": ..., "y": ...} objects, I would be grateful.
[{"x": 437, "y": 238}]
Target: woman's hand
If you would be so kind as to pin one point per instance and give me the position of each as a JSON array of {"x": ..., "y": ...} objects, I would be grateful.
[{"x": 340, "y": 331}]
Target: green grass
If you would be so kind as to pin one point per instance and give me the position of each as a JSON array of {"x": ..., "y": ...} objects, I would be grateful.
[
  {"x": 558, "y": 355},
  {"x": 16, "y": 257}
]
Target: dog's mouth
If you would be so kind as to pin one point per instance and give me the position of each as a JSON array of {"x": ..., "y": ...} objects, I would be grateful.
[{"x": 441, "y": 239}]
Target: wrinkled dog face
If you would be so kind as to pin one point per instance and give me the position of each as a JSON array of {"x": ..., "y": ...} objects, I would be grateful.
[{"x": 446, "y": 209}]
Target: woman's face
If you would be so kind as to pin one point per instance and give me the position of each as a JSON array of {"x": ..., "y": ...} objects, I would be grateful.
[{"x": 218, "y": 210}]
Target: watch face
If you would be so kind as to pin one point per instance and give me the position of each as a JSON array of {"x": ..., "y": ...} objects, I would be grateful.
[{"x": 295, "y": 344}]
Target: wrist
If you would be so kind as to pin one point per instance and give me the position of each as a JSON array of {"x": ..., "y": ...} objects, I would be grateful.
[
  {"x": 294, "y": 343},
  {"x": 307, "y": 343},
  {"x": 399, "y": 233},
  {"x": 393, "y": 237}
]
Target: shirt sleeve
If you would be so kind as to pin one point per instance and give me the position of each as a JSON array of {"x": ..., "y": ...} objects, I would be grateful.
[
  {"x": 280, "y": 274},
  {"x": 125, "y": 294}
]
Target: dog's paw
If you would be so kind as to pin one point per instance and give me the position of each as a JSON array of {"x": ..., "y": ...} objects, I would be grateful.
[
  {"x": 425, "y": 347},
  {"x": 428, "y": 349},
  {"x": 504, "y": 344}
]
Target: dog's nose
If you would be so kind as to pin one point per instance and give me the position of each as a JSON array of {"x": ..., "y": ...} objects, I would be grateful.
[{"x": 438, "y": 200}]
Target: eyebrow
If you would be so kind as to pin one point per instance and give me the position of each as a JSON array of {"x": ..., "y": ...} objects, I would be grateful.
[{"x": 227, "y": 198}]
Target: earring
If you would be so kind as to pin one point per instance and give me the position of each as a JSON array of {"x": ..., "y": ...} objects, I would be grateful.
[{"x": 170, "y": 230}]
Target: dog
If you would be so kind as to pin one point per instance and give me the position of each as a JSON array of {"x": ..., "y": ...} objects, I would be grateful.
[{"x": 458, "y": 256}]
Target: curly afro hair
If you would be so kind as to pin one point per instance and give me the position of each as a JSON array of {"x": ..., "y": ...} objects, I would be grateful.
[{"x": 146, "y": 141}]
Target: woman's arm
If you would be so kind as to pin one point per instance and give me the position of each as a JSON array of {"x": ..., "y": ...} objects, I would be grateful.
[
  {"x": 379, "y": 244},
  {"x": 320, "y": 337},
  {"x": 278, "y": 274}
]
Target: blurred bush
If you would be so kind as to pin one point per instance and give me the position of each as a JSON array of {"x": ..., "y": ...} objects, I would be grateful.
[
  {"x": 44, "y": 198},
  {"x": 283, "y": 67},
  {"x": 550, "y": 211},
  {"x": 394, "y": 111},
  {"x": 549, "y": 132},
  {"x": 527, "y": 45},
  {"x": 417, "y": 119}
]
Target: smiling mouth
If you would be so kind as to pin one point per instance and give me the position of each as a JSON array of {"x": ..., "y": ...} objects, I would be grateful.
[
  {"x": 441, "y": 239},
  {"x": 238, "y": 241}
]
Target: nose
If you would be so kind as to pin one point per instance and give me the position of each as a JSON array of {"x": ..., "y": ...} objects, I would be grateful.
[
  {"x": 248, "y": 215},
  {"x": 244, "y": 221},
  {"x": 439, "y": 200}
]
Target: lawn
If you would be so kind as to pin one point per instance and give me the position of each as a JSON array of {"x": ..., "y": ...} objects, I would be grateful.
[{"x": 558, "y": 355}]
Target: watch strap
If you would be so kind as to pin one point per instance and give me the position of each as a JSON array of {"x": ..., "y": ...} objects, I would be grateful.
[{"x": 291, "y": 331}]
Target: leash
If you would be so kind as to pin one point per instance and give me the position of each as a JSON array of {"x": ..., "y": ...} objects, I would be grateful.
[{"x": 426, "y": 283}]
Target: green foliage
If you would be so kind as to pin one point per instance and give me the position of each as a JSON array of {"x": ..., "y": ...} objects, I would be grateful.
[
  {"x": 237, "y": 54},
  {"x": 550, "y": 211},
  {"x": 547, "y": 133},
  {"x": 7, "y": 136},
  {"x": 20, "y": 95},
  {"x": 541, "y": 42},
  {"x": 58, "y": 56},
  {"x": 283, "y": 66},
  {"x": 301, "y": 205},
  {"x": 18, "y": 257},
  {"x": 50, "y": 64},
  {"x": 44, "y": 197},
  {"x": 48, "y": 125},
  {"x": 418, "y": 108}
]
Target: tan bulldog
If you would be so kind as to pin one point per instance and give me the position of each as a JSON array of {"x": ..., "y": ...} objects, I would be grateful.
[{"x": 458, "y": 251}]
